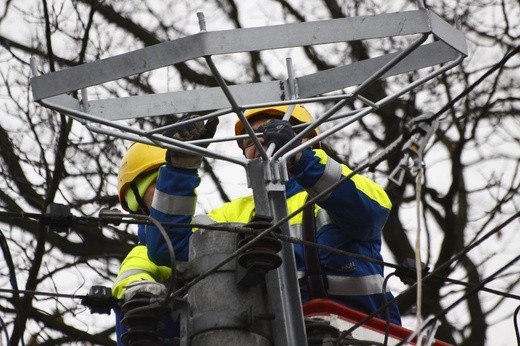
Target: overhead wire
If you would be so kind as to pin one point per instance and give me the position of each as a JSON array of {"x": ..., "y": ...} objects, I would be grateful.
[
  {"x": 473, "y": 85},
  {"x": 469, "y": 293},
  {"x": 432, "y": 274},
  {"x": 427, "y": 277},
  {"x": 418, "y": 262},
  {"x": 120, "y": 216},
  {"x": 387, "y": 309}
]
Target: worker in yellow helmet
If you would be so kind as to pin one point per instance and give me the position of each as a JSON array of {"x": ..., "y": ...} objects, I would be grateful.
[
  {"x": 138, "y": 171},
  {"x": 349, "y": 217},
  {"x": 138, "y": 276}
]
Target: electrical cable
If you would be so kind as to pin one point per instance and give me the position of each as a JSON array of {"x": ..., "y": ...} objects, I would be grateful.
[
  {"x": 46, "y": 294},
  {"x": 111, "y": 213},
  {"x": 467, "y": 90},
  {"x": 293, "y": 240},
  {"x": 102, "y": 219},
  {"x": 417, "y": 332},
  {"x": 432, "y": 274},
  {"x": 418, "y": 262},
  {"x": 285, "y": 238},
  {"x": 470, "y": 292},
  {"x": 484, "y": 289}
]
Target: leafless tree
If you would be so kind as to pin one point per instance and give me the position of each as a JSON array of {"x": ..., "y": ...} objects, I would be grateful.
[{"x": 471, "y": 167}]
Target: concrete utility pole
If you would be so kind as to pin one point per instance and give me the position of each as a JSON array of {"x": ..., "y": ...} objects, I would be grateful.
[{"x": 221, "y": 312}]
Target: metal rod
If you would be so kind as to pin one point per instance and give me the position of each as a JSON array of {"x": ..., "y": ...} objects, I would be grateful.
[
  {"x": 189, "y": 121},
  {"x": 366, "y": 101},
  {"x": 390, "y": 64},
  {"x": 236, "y": 108},
  {"x": 163, "y": 141}
]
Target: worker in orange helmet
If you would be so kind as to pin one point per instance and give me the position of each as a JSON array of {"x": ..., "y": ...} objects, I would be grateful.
[{"x": 350, "y": 217}]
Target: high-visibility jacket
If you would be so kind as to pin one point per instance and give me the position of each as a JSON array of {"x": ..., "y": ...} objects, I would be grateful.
[
  {"x": 136, "y": 267},
  {"x": 176, "y": 206},
  {"x": 349, "y": 218}
]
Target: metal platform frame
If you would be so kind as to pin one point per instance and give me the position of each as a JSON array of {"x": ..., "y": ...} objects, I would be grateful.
[{"x": 266, "y": 175}]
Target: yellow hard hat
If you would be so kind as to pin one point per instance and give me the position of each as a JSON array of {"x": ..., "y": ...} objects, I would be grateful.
[
  {"x": 138, "y": 160},
  {"x": 300, "y": 115}
]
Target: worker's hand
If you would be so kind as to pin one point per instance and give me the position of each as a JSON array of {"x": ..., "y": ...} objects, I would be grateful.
[
  {"x": 188, "y": 132},
  {"x": 279, "y": 132},
  {"x": 143, "y": 286}
]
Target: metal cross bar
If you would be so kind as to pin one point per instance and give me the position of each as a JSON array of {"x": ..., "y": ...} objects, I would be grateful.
[
  {"x": 258, "y": 94},
  {"x": 247, "y": 40}
]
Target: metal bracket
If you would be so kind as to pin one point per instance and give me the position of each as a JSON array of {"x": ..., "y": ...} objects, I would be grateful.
[{"x": 414, "y": 149}]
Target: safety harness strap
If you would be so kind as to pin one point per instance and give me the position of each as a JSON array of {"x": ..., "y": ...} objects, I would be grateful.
[{"x": 314, "y": 274}]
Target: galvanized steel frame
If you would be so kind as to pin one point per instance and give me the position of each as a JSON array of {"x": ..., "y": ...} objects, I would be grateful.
[{"x": 51, "y": 90}]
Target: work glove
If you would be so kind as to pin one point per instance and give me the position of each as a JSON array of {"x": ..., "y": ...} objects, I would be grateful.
[
  {"x": 189, "y": 132},
  {"x": 280, "y": 132},
  {"x": 142, "y": 316},
  {"x": 144, "y": 287}
]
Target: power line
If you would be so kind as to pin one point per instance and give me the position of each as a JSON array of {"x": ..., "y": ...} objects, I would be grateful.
[{"x": 433, "y": 273}]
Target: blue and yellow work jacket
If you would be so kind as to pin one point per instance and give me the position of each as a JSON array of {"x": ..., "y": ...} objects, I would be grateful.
[{"x": 349, "y": 218}]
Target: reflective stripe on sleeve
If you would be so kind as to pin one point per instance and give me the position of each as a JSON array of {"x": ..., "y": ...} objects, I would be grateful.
[
  {"x": 322, "y": 219},
  {"x": 295, "y": 230},
  {"x": 331, "y": 175},
  {"x": 174, "y": 205},
  {"x": 129, "y": 273}
]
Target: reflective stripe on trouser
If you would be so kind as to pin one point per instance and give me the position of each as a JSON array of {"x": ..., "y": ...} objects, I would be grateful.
[
  {"x": 351, "y": 286},
  {"x": 128, "y": 273},
  {"x": 331, "y": 175}
]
